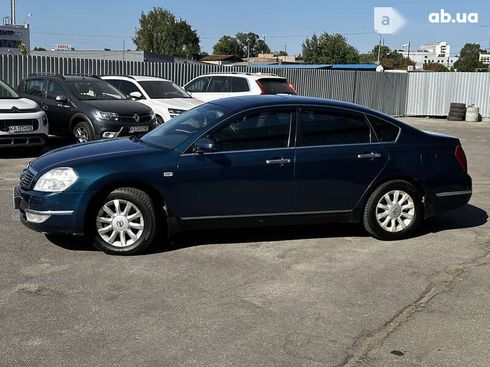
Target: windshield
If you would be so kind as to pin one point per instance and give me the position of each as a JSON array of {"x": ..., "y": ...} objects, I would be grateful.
[
  {"x": 94, "y": 90},
  {"x": 163, "y": 89},
  {"x": 184, "y": 127},
  {"x": 6, "y": 91}
]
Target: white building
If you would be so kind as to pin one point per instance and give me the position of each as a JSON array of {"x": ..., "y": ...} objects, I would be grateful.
[
  {"x": 485, "y": 57},
  {"x": 439, "y": 53}
]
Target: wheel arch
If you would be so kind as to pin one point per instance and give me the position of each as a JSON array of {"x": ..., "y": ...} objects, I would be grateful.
[
  {"x": 79, "y": 117},
  {"x": 155, "y": 196}
]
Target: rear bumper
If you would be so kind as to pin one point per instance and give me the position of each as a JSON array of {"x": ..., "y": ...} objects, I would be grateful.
[
  {"x": 449, "y": 199},
  {"x": 60, "y": 212}
]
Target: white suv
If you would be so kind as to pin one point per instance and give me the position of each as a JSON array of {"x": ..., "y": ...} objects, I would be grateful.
[
  {"x": 209, "y": 87},
  {"x": 22, "y": 121},
  {"x": 165, "y": 98}
]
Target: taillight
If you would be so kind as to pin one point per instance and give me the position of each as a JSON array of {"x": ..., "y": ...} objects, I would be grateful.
[{"x": 461, "y": 157}]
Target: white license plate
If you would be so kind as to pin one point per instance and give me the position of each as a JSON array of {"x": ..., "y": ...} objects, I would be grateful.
[
  {"x": 138, "y": 129},
  {"x": 20, "y": 129}
]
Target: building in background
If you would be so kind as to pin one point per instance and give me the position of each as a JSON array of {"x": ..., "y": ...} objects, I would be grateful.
[
  {"x": 439, "y": 53},
  {"x": 13, "y": 36},
  {"x": 485, "y": 57},
  {"x": 220, "y": 59}
]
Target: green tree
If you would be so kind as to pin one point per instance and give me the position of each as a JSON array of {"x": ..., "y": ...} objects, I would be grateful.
[
  {"x": 469, "y": 58},
  {"x": 39, "y": 49},
  {"x": 228, "y": 45},
  {"x": 435, "y": 66},
  {"x": 251, "y": 44},
  {"x": 329, "y": 49},
  {"x": 160, "y": 32}
]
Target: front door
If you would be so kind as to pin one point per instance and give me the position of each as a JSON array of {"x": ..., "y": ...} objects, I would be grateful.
[
  {"x": 59, "y": 112},
  {"x": 249, "y": 173},
  {"x": 337, "y": 158}
]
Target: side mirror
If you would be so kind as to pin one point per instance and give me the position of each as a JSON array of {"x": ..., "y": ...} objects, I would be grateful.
[
  {"x": 136, "y": 95},
  {"x": 204, "y": 145},
  {"x": 61, "y": 98}
]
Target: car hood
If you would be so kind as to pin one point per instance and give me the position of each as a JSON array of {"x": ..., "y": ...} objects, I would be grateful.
[
  {"x": 121, "y": 107},
  {"x": 178, "y": 103},
  {"x": 19, "y": 103},
  {"x": 73, "y": 155}
]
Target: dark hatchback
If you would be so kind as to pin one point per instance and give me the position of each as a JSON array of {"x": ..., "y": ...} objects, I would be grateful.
[
  {"x": 86, "y": 107},
  {"x": 247, "y": 161}
]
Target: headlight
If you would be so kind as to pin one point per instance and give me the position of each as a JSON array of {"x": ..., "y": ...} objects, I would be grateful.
[
  {"x": 174, "y": 112},
  {"x": 152, "y": 115},
  {"x": 106, "y": 115},
  {"x": 56, "y": 180}
]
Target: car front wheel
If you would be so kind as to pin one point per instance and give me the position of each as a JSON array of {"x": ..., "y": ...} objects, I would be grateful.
[
  {"x": 394, "y": 211},
  {"x": 125, "y": 222},
  {"x": 83, "y": 132}
]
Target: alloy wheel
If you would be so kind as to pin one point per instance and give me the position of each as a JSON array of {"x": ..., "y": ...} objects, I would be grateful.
[
  {"x": 81, "y": 134},
  {"x": 120, "y": 223},
  {"x": 395, "y": 211}
]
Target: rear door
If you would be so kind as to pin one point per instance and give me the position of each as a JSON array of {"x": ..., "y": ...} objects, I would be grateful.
[{"x": 337, "y": 158}]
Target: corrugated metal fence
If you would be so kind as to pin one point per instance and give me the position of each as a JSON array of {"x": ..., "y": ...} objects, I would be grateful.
[
  {"x": 384, "y": 92},
  {"x": 412, "y": 94},
  {"x": 430, "y": 94}
]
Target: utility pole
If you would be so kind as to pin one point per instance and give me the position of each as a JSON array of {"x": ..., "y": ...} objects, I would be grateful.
[
  {"x": 408, "y": 53},
  {"x": 379, "y": 51}
]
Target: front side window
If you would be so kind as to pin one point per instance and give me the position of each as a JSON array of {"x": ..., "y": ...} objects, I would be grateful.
[
  {"x": 220, "y": 84},
  {"x": 54, "y": 89},
  {"x": 333, "y": 127},
  {"x": 35, "y": 87},
  {"x": 257, "y": 130},
  {"x": 94, "y": 90},
  {"x": 198, "y": 85}
]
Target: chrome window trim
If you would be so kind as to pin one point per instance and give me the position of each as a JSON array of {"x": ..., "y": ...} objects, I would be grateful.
[
  {"x": 453, "y": 193},
  {"x": 237, "y": 151}
]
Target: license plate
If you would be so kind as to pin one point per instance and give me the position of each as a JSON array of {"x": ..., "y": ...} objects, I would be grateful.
[
  {"x": 20, "y": 128},
  {"x": 138, "y": 129}
]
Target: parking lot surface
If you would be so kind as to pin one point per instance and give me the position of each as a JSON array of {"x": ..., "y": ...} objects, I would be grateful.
[{"x": 306, "y": 296}]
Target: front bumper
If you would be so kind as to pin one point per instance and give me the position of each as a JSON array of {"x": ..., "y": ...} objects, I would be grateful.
[
  {"x": 62, "y": 212},
  {"x": 102, "y": 128},
  {"x": 36, "y": 137}
]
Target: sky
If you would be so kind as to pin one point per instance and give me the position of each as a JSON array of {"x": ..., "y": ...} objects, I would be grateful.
[{"x": 99, "y": 24}]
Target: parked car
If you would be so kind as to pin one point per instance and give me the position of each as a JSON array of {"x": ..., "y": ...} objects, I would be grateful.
[
  {"x": 87, "y": 108},
  {"x": 165, "y": 97},
  {"x": 215, "y": 86},
  {"x": 247, "y": 161},
  {"x": 22, "y": 121}
]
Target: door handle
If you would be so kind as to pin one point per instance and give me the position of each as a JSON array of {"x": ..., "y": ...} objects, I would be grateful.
[
  {"x": 371, "y": 155},
  {"x": 278, "y": 161},
  {"x": 45, "y": 107}
]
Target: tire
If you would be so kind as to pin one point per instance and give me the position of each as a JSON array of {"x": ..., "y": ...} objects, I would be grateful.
[
  {"x": 457, "y": 110},
  {"x": 457, "y": 105},
  {"x": 83, "y": 132},
  {"x": 453, "y": 118},
  {"x": 120, "y": 230},
  {"x": 457, "y": 114},
  {"x": 395, "y": 222}
]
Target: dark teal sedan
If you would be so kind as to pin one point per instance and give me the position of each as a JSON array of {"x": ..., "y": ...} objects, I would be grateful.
[{"x": 247, "y": 161}]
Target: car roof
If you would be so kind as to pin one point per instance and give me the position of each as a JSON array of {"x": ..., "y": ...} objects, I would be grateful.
[
  {"x": 138, "y": 78},
  {"x": 252, "y": 101},
  {"x": 244, "y": 74}
]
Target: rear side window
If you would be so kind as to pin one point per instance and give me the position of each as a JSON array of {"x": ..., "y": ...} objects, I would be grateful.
[
  {"x": 385, "y": 131},
  {"x": 333, "y": 127},
  {"x": 198, "y": 85},
  {"x": 275, "y": 86},
  {"x": 239, "y": 85},
  {"x": 220, "y": 84},
  {"x": 127, "y": 87},
  {"x": 35, "y": 87},
  {"x": 257, "y": 130}
]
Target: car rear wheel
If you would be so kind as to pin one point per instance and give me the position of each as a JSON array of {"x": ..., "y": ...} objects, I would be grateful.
[
  {"x": 83, "y": 132},
  {"x": 394, "y": 211},
  {"x": 126, "y": 222}
]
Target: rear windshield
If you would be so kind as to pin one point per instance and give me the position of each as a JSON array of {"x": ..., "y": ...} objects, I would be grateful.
[
  {"x": 163, "y": 89},
  {"x": 275, "y": 86}
]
